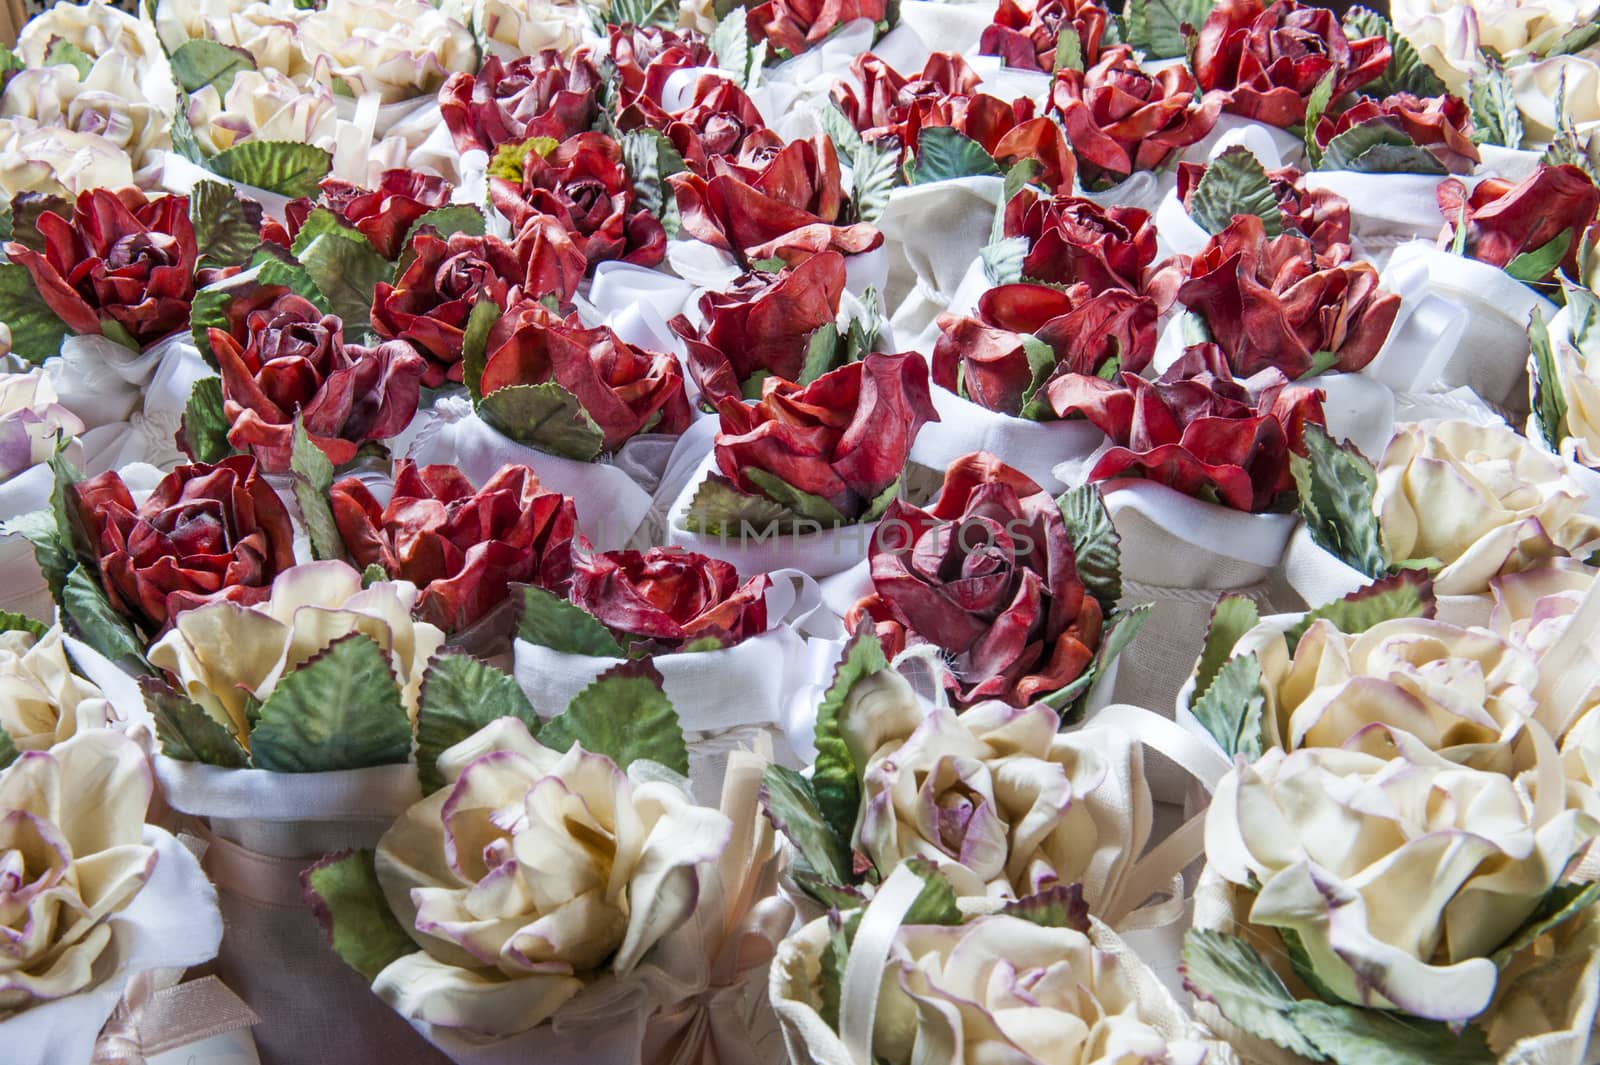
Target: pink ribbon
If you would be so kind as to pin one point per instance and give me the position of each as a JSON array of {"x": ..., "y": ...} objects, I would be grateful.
[{"x": 152, "y": 1019}]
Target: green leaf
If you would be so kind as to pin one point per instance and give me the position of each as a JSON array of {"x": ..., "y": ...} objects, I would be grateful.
[
  {"x": 834, "y": 778},
  {"x": 1378, "y": 146},
  {"x": 340, "y": 710},
  {"x": 662, "y": 14},
  {"x": 793, "y": 500},
  {"x": 1069, "y": 49},
  {"x": 1407, "y": 594},
  {"x": 943, "y": 154},
  {"x": 12, "y": 622},
  {"x": 822, "y": 353},
  {"x": 1568, "y": 41},
  {"x": 449, "y": 220},
  {"x": 373, "y": 574},
  {"x": 10, "y": 63},
  {"x": 198, "y": 63},
  {"x": 204, "y": 427},
  {"x": 92, "y": 618},
  {"x": 1225, "y": 970},
  {"x": 70, "y": 522},
  {"x": 1406, "y": 71},
  {"x": 1060, "y": 906},
  {"x": 1559, "y": 905},
  {"x": 26, "y": 208},
  {"x": 50, "y": 550},
  {"x": 544, "y": 416},
  {"x": 275, "y": 166},
  {"x": 210, "y": 307},
  {"x": 1316, "y": 106},
  {"x": 1002, "y": 260},
  {"x": 625, "y": 716},
  {"x": 460, "y": 695},
  {"x": 1163, "y": 23},
  {"x": 1549, "y": 401},
  {"x": 881, "y": 501},
  {"x": 36, "y": 332},
  {"x": 346, "y": 268},
  {"x": 791, "y": 805},
  {"x": 226, "y": 229},
  {"x": 344, "y": 892},
  {"x": 311, "y": 478},
  {"x": 63, "y": 52},
  {"x": 1534, "y": 266},
  {"x": 8, "y": 749},
  {"x": 1042, "y": 365},
  {"x": 1231, "y": 707},
  {"x": 935, "y": 904},
  {"x": 187, "y": 733},
  {"x": 509, "y": 158},
  {"x": 1496, "y": 119},
  {"x": 183, "y": 141},
  {"x": 475, "y": 345},
  {"x": 730, "y": 43},
  {"x": 1235, "y": 183},
  {"x": 1095, "y": 543},
  {"x": 1231, "y": 618},
  {"x": 550, "y": 621},
  {"x": 1336, "y": 486},
  {"x": 1583, "y": 314},
  {"x": 846, "y": 140},
  {"x": 651, "y": 158},
  {"x": 834, "y": 959},
  {"x": 874, "y": 174},
  {"x": 1121, "y": 628},
  {"x": 719, "y": 509},
  {"x": 1017, "y": 178},
  {"x": 1350, "y": 1035}
]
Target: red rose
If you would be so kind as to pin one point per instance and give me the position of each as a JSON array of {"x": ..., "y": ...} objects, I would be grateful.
[
  {"x": 1268, "y": 59},
  {"x": 293, "y": 361},
  {"x": 888, "y": 100},
  {"x": 988, "y": 576},
  {"x": 295, "y": 213},
  {"x": 583, "y": 184},
  {"x": 669, "y": 598},
  {"x": 625, "y": 390},
  {"x": 1320, "y": 215},
  {"x": 206, "y": 533},
  {"x": 1278, "y": 303},
  {"x": 1505, "y": 220},
  {"x": 544, "y": 95},
  {"x": 462, "y": 547},
  {"x": 428, "y": 305},
  {"x": 1025, "y": 34},
  {"x": 792, "y": 26},
  {"x": 1198, "y": 430},
  {"x": 1441, "y": 125},
  {"x": 844, "y": 438},
  {"x": 782, "y": 203},
  {"x": 761, "y": 323},
  {"x": 721, "y": 122},
  {"x": 983, "y": 359},
  {"x": 1072, "y": 240},
  {"x": 1121, "y": 119},
  {"x": 122, "y": 261},
  {"x": 386, "y": 214},
  {"x": 646, "y": 56}
]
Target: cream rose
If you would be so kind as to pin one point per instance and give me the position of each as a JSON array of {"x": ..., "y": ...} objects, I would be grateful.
[
  {"x": 1401, "y": 876},
  {"x": 263, "y": 107},
  {"x": 513, "y": 28},
  {"x": 31, "y": 417},
  {"x": 399, "y": 50},
  {"x": 1449, "y": 34},
  {"x": 100, "y": 30},
  {"x": 1463, "y": 690},
  {"x": 98, "y": 105},
  {"x": 996, "y": 989},
  {"x": 1580, "y": 387},
  {"x": 269, "y": 31},
  {"x": 51, "y": 159},
  {"x": 1001, "y": 801},
  {"x": 71, "y": 857},
  {"x": 43, "y": 702},
  {"x": 224, "y": 654},
  {"x": 1479, "y": 499},
  {"x": 532, "y": 873}
]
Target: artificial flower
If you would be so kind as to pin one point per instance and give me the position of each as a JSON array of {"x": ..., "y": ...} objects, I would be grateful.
[
  {"x": 669, "y": 599},
  {"x": 542, "y": 94},
  {"x": 58, "y": 161},
  {"x": 1026, "y": 33},
  {"x": 43, "y": 699},
  {"x": 1440, "y": 125},
  {"x": 516, "y": 28},
  {"x": 31, "y": 419},
  {"x": 97, "y": 104},
  {"x": 263, "y": 106},
  {"x": 720, "y": 121},
  {"x": 1073, "y": 241},
  {"x": 792, "y": 26},
  {"x": 387, "y": 213},
  {"x": 1320, "y": 215},
  {"x": 267, "y": 29},
  {"x": 397, "y": 51},
  {"x": 1505, "y": 220},
  {"x": 101, "y": 31}
]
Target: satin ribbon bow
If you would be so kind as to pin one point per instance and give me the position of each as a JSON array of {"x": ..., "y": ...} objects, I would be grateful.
[{"x": 157, "y": 1014}]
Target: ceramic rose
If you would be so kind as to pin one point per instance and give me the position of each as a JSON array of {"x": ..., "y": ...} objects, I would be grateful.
[
  {"x": 1480, "y": 500},
  {"x": 98, "y": 105},
  {"x": 43, "y": 699},
  {"x": 263, "y": 106},
  {"x": 531, "y": 874},
  {"x": 399, "y": 52},
  {"x": 98, "y": 30},
  {"x": 57, "y": 160},
  {"x": 224, "y": 655}
]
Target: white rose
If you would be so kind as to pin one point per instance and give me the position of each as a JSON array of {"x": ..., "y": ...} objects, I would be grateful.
[
  {"x": 1445, "y": 34},
  {"x": 54, "y": 96},
  {"x": 1456, "y": 689},
  {"x": 1481, "y": 500},
  {"x": 515, "y": 28},
  {"x": 532, "y": 873},
  {"x": 30, "y": 419},
  {"x": 1401, "y": 876},
  {"x": 263, "y": 107},
  {"x": 698, "y": 15},
  {"x": 43, "y": 702},
  {"x": 269, "y": 31},
  {"x": 99, "y": 29},
  {"x": 52, "y": 159},
  {"x": 1580, "y": 387},
  {"x": 400, "y": 50},
  {"x": 223, "y": 654},
  {"x": 997, "y": 989},
  {"x": 71, "y": 857},
  {"x": 998, "y": 798}
]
